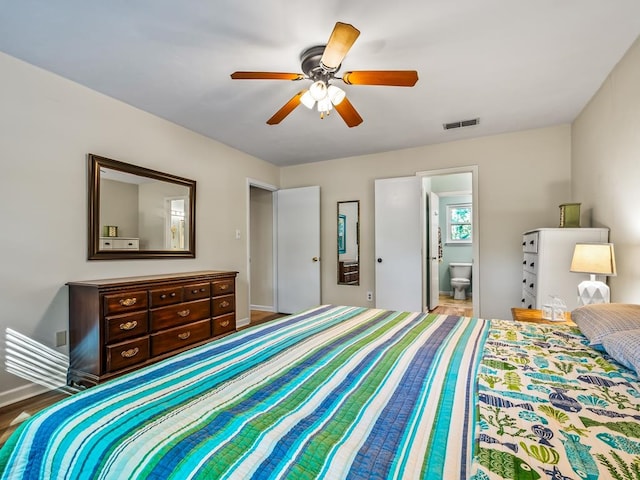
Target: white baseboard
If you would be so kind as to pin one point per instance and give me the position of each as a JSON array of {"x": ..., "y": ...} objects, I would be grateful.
[
  {"x": 243, "y": 322},
  {"x": 21, "y": 393},
  {"x": 264, "y": 308}
]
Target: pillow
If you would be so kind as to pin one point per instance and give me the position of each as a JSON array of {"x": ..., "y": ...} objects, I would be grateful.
[
  {"x": 624, "y": 347},
  {"x": 599, "y": 320}
]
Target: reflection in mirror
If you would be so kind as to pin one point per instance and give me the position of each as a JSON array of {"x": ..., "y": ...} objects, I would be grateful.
[
  {"x": 135, "y": 212},
  {"x": 349, "y": 243}
]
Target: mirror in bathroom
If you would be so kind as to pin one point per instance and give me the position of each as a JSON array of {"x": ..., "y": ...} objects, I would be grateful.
[
  {"x": 348, "y": 242},
  {"x": 136, "y": 212}
]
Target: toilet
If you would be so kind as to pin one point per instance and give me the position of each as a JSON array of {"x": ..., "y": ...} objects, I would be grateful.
[{"x": 460, "y": 274}]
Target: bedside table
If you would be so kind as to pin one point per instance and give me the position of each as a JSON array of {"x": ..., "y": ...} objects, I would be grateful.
[{"x": 535, "y": 316}]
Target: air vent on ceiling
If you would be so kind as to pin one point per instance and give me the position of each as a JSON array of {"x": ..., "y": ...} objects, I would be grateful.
[{"x": 461, "y": 123}]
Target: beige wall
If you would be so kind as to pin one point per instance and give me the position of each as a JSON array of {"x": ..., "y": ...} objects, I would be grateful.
[
  {"x": 523, "y": 177},
  {"x": 47, "y": 127},
  {"x": 606, "y": 169}
]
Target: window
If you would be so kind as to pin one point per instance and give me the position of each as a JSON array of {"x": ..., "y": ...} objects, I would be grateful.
[{"x": 459, "y": 223}]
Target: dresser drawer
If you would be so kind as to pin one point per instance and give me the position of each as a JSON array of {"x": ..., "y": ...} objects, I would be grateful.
[
  {"x": 180, "y": 314},
  {"x": 528, "y": 300},
  {"x": 165, "y": 296},
  {"x": 125, "y": 302},
  {"x": 197, "y": 291},
  {"x": 529, "y": 282},
  {"x": 178, "y": 337},
  {"x": 530, "y": 262},
  {"x": 224, "y": 324},
  {"x": 530, "y": 242},
  {"x": 222, "y": 287},
  {"x": 130, "y": 325},
  {"x": 224, "y": 304},
  {"x": 125, "y": 354}
]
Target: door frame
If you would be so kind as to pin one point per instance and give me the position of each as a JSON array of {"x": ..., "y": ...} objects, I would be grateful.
[
  {"x": 274, "y": 254},
  {"x": 475, "y": 222}
]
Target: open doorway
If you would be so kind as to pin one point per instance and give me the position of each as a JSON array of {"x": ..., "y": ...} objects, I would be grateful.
[
  {"x": 452, "y": 266},
  {"x": 261, "y": 248}
]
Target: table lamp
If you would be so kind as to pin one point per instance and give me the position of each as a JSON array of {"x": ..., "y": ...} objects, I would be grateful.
[{"x": 594, "y": 259}]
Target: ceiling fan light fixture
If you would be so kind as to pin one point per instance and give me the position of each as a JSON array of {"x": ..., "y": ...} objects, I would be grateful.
[
  {"x": 307, "y": 100},
  {"x": 336, "y": 94},
  {"x": 318, "y": 90}
]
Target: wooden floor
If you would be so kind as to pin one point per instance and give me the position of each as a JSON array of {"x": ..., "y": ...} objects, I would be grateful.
[
  {"x": 449, "y": 306},
  {"x": 12, "y": 415}
]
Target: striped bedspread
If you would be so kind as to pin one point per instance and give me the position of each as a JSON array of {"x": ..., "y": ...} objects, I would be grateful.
[{"x": 334, "y": 392}]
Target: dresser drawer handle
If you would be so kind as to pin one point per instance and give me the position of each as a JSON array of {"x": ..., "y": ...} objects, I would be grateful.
[
  {"x": 224, "y": 304},
  {"x": 128, "y": 325},
  {"x": 196, "y": 291},
  {"x": 225, "y": 323},
  {"x": 184, "y": 336},
  {"x": 184, "y": 313},
  {"x": 127, "y": 302},
  {"x": 130, "y": 353},
  {"x": 224, "y": 286}
]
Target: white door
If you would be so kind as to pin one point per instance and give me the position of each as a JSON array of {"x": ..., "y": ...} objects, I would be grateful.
[
  {"x": 398, "y": 240},
  {"x": 434, "y": 250},
  {"x": 298, "y": 250}
]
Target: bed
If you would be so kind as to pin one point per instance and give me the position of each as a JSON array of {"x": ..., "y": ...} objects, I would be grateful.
[{"x": 348, "y": 392}]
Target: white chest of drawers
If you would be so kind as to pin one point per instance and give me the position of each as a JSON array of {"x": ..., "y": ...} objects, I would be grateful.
[
  {"x": 547, "y": 254},
  {"x": 119, "y": 243}
]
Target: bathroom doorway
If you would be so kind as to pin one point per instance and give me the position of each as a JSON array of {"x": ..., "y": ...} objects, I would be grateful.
[{"x": 451, "y": 237}]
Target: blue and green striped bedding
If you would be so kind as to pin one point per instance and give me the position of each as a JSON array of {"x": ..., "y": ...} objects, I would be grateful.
[{"x": 347, "y": 392}]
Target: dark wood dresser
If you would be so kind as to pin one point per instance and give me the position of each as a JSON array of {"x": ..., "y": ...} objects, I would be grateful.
[
  {"x": 121, "y": 324},
  {"x": 349, "y": 272}
]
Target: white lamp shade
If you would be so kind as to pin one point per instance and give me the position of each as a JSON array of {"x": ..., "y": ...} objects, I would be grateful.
[
  {"x": 324, "y": 105},
  {"x": 594, "y": 258},
  {"x": 336, "y": 94},
  {"x": 307, "y": 100},
  {"x": 318, "y": 90}
]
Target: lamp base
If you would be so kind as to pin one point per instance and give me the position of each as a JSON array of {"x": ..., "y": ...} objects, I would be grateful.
[{"x": 593, "y": 291}]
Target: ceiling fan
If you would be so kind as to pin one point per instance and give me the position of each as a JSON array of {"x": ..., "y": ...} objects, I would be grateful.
[{"x": 320, "y": 65}]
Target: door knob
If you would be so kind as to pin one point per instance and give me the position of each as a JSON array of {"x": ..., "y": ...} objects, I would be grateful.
[
  {"x": 379, "y": 260},
  {"x": 315, "y": 259}
]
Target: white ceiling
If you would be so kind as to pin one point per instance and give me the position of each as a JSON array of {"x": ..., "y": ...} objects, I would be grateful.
[{"x": 516, "y": 64}]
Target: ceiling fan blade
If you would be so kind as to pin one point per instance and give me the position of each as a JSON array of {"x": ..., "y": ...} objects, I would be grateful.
[
  {"x": 286, "y": 109},
  {"x": 348, "y": 113},
  {"x": 266, "y": 76},
  {"x": 340, "y": 41},
  {"x": 392, "y": 78}
]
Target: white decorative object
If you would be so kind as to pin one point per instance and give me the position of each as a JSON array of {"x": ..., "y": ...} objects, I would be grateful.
[
  {"x": 594, "y": 259},
  {"x": 559, "y": 308}
]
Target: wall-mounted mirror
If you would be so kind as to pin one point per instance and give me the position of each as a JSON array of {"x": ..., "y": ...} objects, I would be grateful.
[
  {"x": 349, "y": 243},
  {"x": 135, "y": 212}
]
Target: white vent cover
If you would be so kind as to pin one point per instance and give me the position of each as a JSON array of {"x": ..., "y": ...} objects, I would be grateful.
[{"x": 461, "y": 123}]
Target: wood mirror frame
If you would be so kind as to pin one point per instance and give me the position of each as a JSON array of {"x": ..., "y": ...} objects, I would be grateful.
[{"x": 100, "y": 248}]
